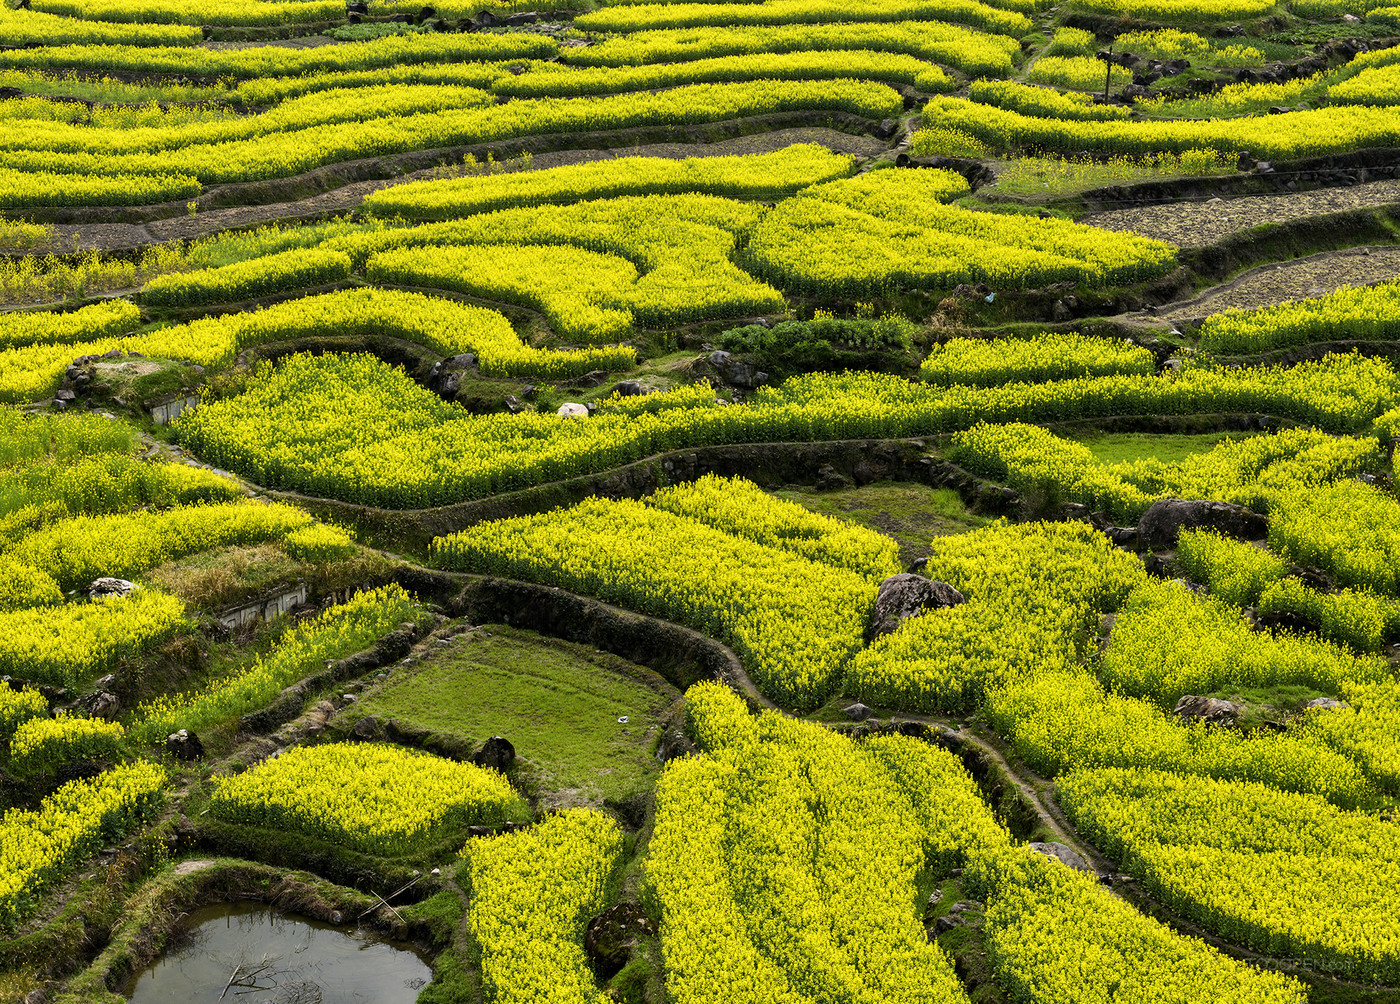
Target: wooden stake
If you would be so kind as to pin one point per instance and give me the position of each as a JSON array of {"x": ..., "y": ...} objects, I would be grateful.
[
  {"x": 231, "y": 979},
  {"x": 381, "y": 899}
]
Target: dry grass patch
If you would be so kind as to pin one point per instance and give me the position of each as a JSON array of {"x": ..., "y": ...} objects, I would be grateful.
[{"x": 226, "y": 576}]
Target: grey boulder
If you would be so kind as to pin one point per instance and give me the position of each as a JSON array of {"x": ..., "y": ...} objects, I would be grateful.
[
  {"x": 1164, "y": 520},
  {"x": 1062, "y": 853},
  {"x": 496, "y": 753},
  {"x": 734, "y": 372},
  {"x": 1327, "y": 704},
  {"x": 904, "y": 595},
  {"x": 101, "y": 589},
  {"x": 184, "y": 745},
  {"x": 1210, "y": 710}
]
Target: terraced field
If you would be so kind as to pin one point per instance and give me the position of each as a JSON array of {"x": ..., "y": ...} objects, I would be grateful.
[{"x": 791, "y": 501}]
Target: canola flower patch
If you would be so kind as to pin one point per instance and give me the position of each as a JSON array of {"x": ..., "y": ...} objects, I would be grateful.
[
  {"x": 18, "y": 707},
  {"x": 335, "y": 633},
  {"x": 78, "y": 550},
  {"x": 1365, "y": 313},
  {"x": 26, "y": 437},
  {"x": 41, "y": 846},
  {"x": 1356, "y": 618},
  {"x": 1084, "y": 73},
  {"x": 683, "y": 248},
  {"x": 381, "y": 439},
  {"x": 1235, "y": 570},
  {"x": 893, "y": 230},
  {"x": 794, "y": 621},
  {"x": 1318, "y": 878},
  {"x": 319, "y": 543},
  {"x": 946, "y": 659},
  {"x": 324, "y": 136},
  {"x": 1168, "y": 642},
  {"x": 642, "y": 17},
  {"x": 533, "y": 894},
  {"x": 1040, "y": 463},
  {"x": 1060, "y": 720},
  {"x": 100, "y": 320},
  {"x": 1045, "y": 102},
  {"x": 581, "y": 293},
  {"x": 29, "y": 138},
  {"x": 48, "y": 744},
  {"x": 263, "y": 91},
  {"x": 37, "y": 28},
  {"x": 67, "y": 644},
  {"x": 741, "y": 508},
  {"x": 38, "y": 494},
  {"x": 265, "y": 61},
  {"x": 444, "y": 326},
  {"x": 553, "y": 81},
  {"x": 245, "y": 280},
  {"x": 1178, "y": 11},
  {"x": 785, "y": 862},
  {"x": 976, "y": 53},
  {"x": 1348, "y": 528},
  {"x": 1056, "y": 936},
  {"x": 982, "y": 362},
  {"x": 374, "y": 797},
  {"x": 23, "y": 586},
  {"x": 1257, "y": 472},
  {"x": 760, "y": 176},
  {"x": 749, "y": 843},
  {"x": 1297, "y": 134},
  {"x": 196, "y": 12},
  {"x": 1367, "y": 730}
]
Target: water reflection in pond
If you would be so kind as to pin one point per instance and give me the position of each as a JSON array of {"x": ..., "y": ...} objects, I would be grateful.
[{"x": 253, "y": 954}]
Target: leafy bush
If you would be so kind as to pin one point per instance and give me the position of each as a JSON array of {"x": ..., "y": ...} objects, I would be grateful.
[{"x": 825, "y": 343}]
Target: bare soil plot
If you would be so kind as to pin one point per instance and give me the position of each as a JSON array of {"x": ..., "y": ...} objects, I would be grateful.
[
  {"x": 1198, "y": 224},
  {"x": 1316, "y": 275}
]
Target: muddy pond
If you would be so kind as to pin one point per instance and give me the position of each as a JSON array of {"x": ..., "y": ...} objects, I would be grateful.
[{"x": 253, "y": 954}]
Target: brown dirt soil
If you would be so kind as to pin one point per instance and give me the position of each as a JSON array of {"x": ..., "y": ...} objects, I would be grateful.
[
  {"x": 124, "y": 236},
  {"x": 1198, "y": 224},
  {"x": 304, "y": 42},
  {"x": 190, "y": 867},
  {"x": 1316, "y": 275}
]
